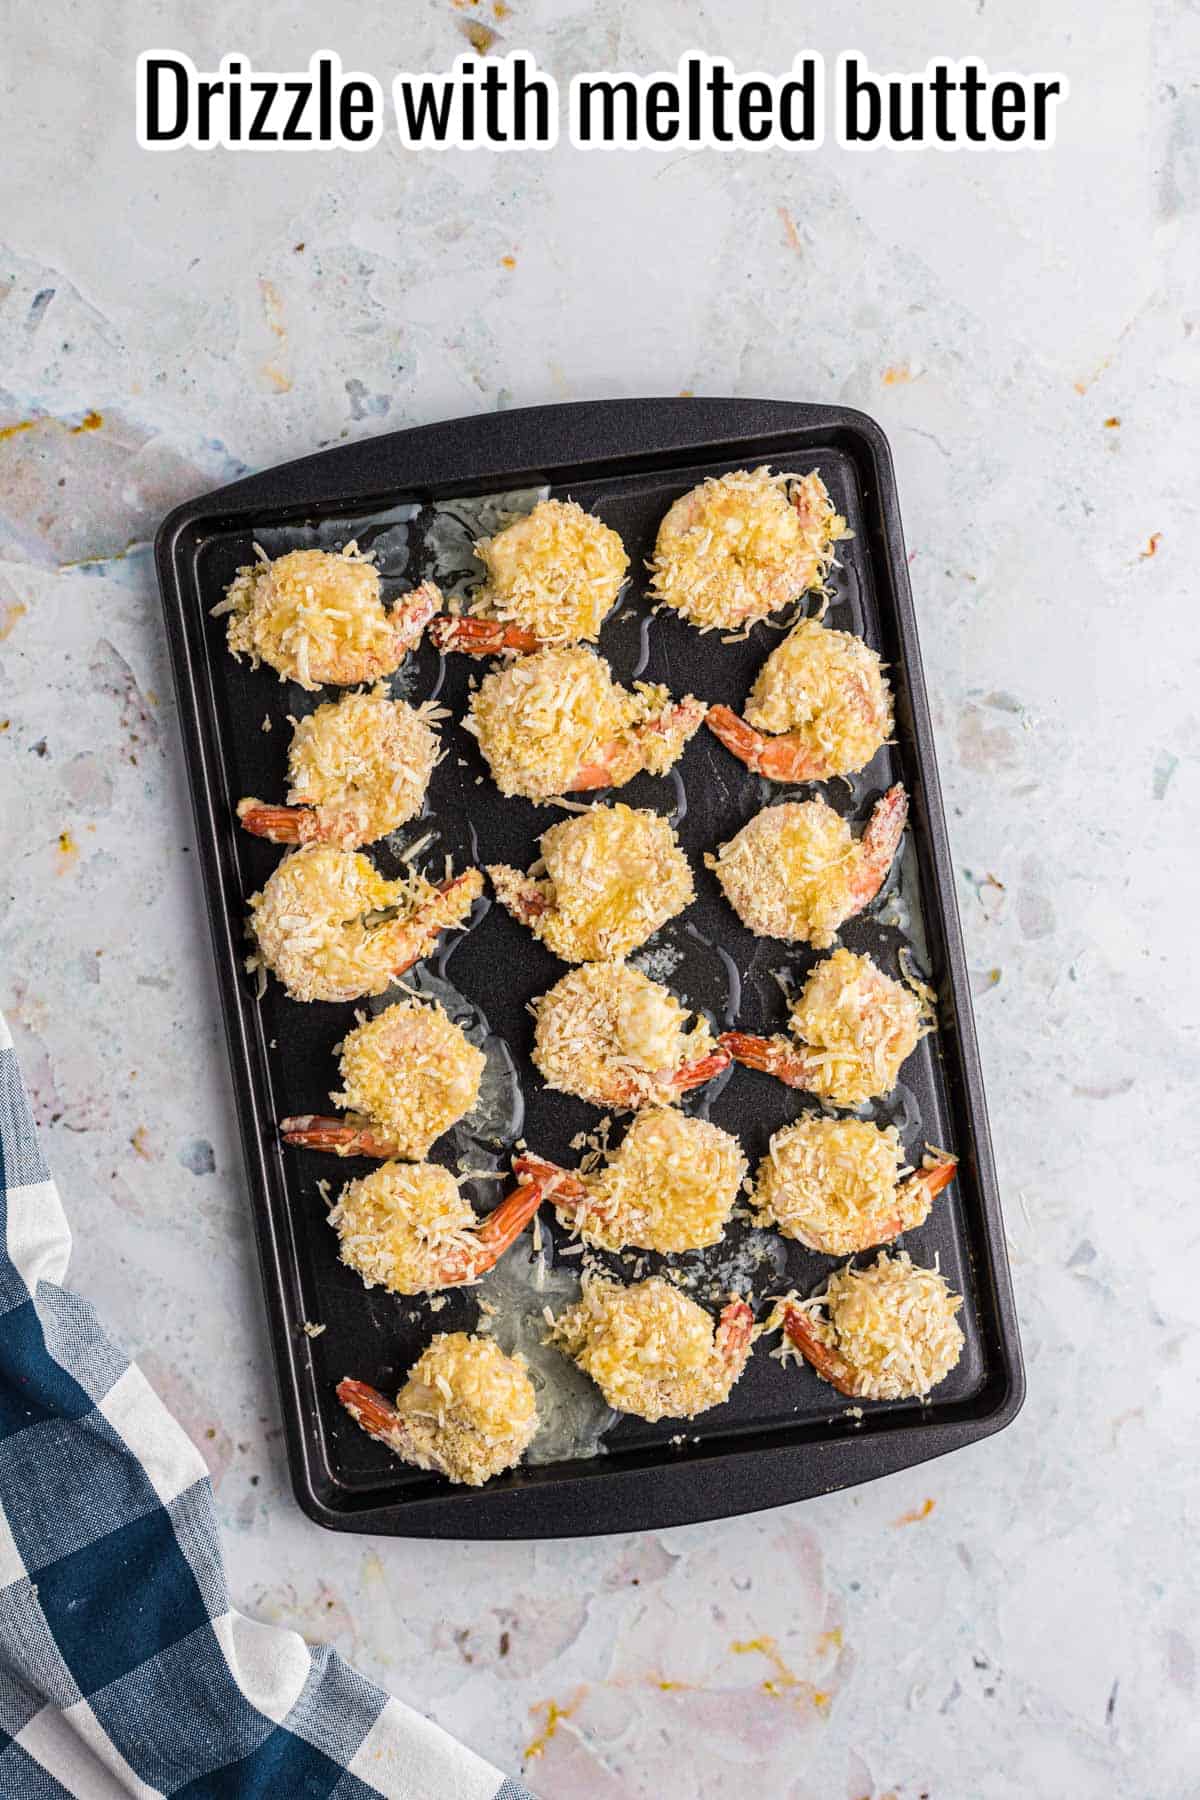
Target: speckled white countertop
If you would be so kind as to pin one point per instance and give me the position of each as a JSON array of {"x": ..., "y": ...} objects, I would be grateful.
[{"x": 1020, "y": 1619}]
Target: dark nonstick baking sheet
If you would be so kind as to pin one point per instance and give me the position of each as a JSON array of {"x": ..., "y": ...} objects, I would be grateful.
[{"x": 417, "y": 497}]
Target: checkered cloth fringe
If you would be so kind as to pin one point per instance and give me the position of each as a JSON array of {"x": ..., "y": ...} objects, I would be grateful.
[{"x": 123, "y": 1667}]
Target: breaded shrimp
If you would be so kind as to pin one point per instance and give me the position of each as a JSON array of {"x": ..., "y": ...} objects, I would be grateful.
[
  {"x": 557, "y": 723},
  {"x": 358, "y": 768},
  {"x": 796, "y": 872},
  {"x": 651, "y": 1351},
  {"x": 316, "y": 616},
  {"x": 853, "y": 1027},
  {"x": 317, "y": 927},
  {"x": 670, "y": 1185},
  {"x": 552, "y": 576},
  {"x": 466, "y": 1411},
  {"x": 609, "y": 1034},
  {"x": 835, "y": 1185},
  {"x": 613, "y": 876},
  {"x": 408, "y": 1227},
  {"x": 740, "y": 546},
  {"x": 408, "y": 1075},
  {"x": 889, "y": 1330},
  {"x": 820, "y": 707}
]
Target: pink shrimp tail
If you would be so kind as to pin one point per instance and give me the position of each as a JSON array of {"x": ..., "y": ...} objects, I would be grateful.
[
  {"x": 735, "y": 1330},
  {"x": 880, "y": 842},
  {"x": 827, "y": 1363},
  {"x": 705, "y": 1068},
  {"x": 369, "y": 1408},
  {"x": 280, "y": 824},
  {"x": 341, "y": 1137},
  {"x": 481, "y": 637}
]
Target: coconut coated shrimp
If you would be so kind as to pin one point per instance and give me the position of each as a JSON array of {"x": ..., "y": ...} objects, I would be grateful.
[
  {"x": 652, "y": 1351},
  {"x": 834, "y": 1184},
  {"x": 552, "y": 576},
  {"x": 408, "y": 1227},
  {"x": 670, "y": 1185},
  {"x": 316, "y": 922},
  {"x": 853, "y": 1027},
  {"x": 609, "y": 1034},
  {"x": 557, "y": 723},
  {"x": 889, "y": 1331},
  {"x": 740, "y": 546},
  {"x": 796, "y": 871},
  {"x": 820, "y": 707},
  {"x": 408, "y": 1075},
  {"x": 612, "y": 877},
  {"x": 466, "y": 1411},
  {"x": 317, "y": 617},
  {"x": 358, "y": 768}
]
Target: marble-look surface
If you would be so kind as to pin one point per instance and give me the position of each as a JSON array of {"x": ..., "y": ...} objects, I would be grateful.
[{"x": 1021, "y": 1619}]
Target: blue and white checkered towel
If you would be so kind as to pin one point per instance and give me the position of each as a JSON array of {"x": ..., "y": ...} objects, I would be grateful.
[{"x": 123, "y": 1668}]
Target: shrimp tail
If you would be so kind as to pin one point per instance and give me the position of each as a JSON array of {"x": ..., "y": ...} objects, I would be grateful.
[
  {"x": 558, "y": 1185},
  {"x": 735, "y": 1334},
  {"x": 705, "y": 1068},
  {"x": 280, "y": 824},
  {"x": 879, "y": 844},
  {"x": 937, "y": 1175},
  {"x": 375, "y": 1413},
  {"x": 784, "y": 758},
  {"x": 525, "y": 898},
  {"x": 502, "y": 1227},
  {"x": 413, "y": 612},
  {"x": 776, "y": 1056},
  {"x": 481, "y": 637},
  {"x": 339, "y": 1136},
  {"x": 448, "y": 906},
  {"x": 827, "y": 1363}
]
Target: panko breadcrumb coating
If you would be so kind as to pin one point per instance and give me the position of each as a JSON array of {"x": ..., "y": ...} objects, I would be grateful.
[
  {"x": 834, "y": 1184},
  {"x": 797, "y": 872},
  {"x": 670, "y": 1185},
  {"x": 556, "y": 722},
  {"x": 652, "y": 1351},
  {"x": 821, "y": 707},
  {"x": 358, "y": 768},
  {"x": 466, "y": 1411},
  {"x": 853, "y": 1028},
  {"x": 888, "y": 1331},
  {"x": 556, "y": 572},
  {"x": 740, "y": 546},
  {"x": 317, "y": 616},
  {"x": 613, "y": 877},
  {"x": 408, "y": 1227},
  {"x": 609, "y": 1034},
  {"x": 411, "y": 1073},
  {"x": 317, "y": 927},
  {"x": 552, "y": 576}
]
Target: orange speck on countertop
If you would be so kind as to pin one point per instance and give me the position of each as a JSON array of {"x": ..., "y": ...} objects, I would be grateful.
[
  {"x": 141, "y": 1143},
  {"x": 555, "y": 1714},
  {"x": 784, "y": 1683},
  {"x": 1151, "y": 547},
  {"x": 508, "y": 262},
  {"x": 68, "y": 852},
  {"x": 791, "y": 235},
  {"x": 91, "y": 421},
  {"x": 480, "y": 37},
  {"x": 1111, "y": 424},
  {"x": 12, "y": 431},
  {"x": 500, "y": 9},
  {"x": 898, "y": 374},
  {"x": 9, "y": 616},
  {"x": 917, "y": 1514}
]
